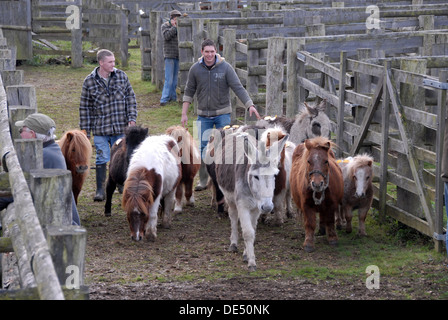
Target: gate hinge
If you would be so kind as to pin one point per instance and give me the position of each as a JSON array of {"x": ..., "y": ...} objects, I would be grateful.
[
  {"x": 435, "y": 84},
  {"x": 439, "y": 237}
]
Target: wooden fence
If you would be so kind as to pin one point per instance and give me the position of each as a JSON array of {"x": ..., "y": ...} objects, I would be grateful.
[
  {"x": 77, "y": 21},
  {"x": 42, "y": 254},
  {"x": 374, "y": 102}
]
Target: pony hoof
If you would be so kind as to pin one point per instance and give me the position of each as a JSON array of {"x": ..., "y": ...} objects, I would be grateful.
[
  {"x": 151, "y": 237},
  {"x": 333, "y": 243},
  {"x": 308, "y": 248},
  {"x": 252, "y": 268},
  {"x": 233, "y": 248},
  {"x": 245, "y": 258}
]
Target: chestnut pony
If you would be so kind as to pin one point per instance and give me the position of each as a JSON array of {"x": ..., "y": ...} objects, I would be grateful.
[
  {"x": 317, "y": 187},
  {"x": 190, "y": 161},
  {"x": 77, "y": 151}
]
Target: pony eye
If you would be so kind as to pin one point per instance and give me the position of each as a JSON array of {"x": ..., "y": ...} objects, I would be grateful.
[{"x": 256, "y": 177}]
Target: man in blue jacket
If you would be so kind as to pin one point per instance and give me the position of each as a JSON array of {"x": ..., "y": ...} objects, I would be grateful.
[
  {"x": 41, "y": 126},
  {"x": 211, "y": 79}
]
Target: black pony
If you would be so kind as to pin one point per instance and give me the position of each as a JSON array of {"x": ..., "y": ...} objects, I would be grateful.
[{"x": 121, "y": 153}]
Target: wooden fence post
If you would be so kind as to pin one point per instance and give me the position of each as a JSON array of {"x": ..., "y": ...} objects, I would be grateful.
[
  {"x": 230, "y": 55},
  {"x": 17, "y": 113},
  {"x": 145, "y": 46},
  {"x": 341, "y": 106},
  {"x": 124, "y": 36},
  {"x": 29, "y": 154},
  {"x": 157, "y": 63},
  {"x": 76, "y": 34},
  {"x": 22, "y": 95},
  {"x": 52, "y": 196},
  {"x": 67, "y": 246},
  {"x": 292, "y": 70},
  {"x": 274, "y": 76},
  {"x": 441, "y": 119},
  {"x": 385, "y": 115}
]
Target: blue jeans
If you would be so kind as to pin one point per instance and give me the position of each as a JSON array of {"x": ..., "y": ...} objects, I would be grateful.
[
  {"x": 207, "y": 123},
  {"x": 103, "y": 144},
  {"x": 171, "y": 74}
]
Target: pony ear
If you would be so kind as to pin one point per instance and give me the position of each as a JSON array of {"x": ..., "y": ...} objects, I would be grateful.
[
  {"x": 277, "y": 147},
  {"x": 308, "y": 144},
  {"x": 312, "y": 111},
  {"x": 250, "y": 150},
  {"x": 69, "y": 136},
  {"x": 84, "y": 131},
  {"x": 279, "y": 136},
  {"x": 369, "y": 163},
  {"x": 322, "y": 104}
]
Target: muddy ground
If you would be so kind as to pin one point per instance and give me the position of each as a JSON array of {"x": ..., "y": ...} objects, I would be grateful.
[{"x": 190, "y": 261}]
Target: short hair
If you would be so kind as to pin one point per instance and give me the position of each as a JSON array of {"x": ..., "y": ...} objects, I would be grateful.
[
  {"x": 101, "y": 54},
  {"x": 208, "y": 42}
]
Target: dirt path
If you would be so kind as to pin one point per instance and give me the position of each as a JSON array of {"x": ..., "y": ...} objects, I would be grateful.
[{"x": 191, "y": 261}]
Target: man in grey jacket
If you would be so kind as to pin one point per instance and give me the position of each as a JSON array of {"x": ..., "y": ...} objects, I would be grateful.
[
  {"x": 211, "y": 78},
  {"x": 171, "y": 55}
]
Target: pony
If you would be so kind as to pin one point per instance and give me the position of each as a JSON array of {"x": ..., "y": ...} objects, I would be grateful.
[
  {"x": 317, "y": 187},
  {"x": 121, "y": 153},
  {"x": 77, "y": 151},
  {"x": 309, "y": 123},
  {"x": 153, "y": 175},
  {"x": 282, "y": 191},
  {"x": 245, "y": 172},
  {"x": 191, "y": 162},
  {"x": 216, "y": 139},
  {"x": 358, "y": 191}
]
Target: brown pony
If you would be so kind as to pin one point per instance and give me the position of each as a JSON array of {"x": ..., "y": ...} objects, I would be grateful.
[
  {"x": 77, "y": 151},
  {"x": 190, "y": 162},
  {"x": 317, "y": 187}
]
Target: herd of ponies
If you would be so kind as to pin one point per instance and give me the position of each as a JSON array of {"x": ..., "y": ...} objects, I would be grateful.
[{"x": 256, "y": 171}]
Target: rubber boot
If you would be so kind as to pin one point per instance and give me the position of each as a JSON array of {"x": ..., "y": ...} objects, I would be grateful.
[
  {"x": 100, "y": 179},
  {"x": 203, "y": 177}
]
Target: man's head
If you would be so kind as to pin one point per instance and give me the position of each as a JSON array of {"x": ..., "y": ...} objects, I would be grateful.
[
  {"x": 106, "y": 60},
  {"x": 175, "y": 14},
  {"x": 208, "y": 51},
  {"x": 36, "y": 125}
]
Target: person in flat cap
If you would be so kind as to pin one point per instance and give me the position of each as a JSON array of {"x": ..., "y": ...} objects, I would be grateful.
[
  {"x": 41, "y": 126},
  {"x": 171, "y": 56}
]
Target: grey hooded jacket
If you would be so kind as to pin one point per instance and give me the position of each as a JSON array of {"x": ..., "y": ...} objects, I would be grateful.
[{"x": 212, "y": 88}]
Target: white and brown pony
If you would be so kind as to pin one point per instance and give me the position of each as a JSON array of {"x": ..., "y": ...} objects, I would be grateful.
[
  {"x": 191, "y": 162},
  {"x": 245, "y": 174},
  {"x": 282, "y": 191},
  {"x": 358, "y": 191},
  {"x": 153, "y": 175}
]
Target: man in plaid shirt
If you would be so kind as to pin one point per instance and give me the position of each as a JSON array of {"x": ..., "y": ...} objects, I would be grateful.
[{"x": 108, "y": 105}]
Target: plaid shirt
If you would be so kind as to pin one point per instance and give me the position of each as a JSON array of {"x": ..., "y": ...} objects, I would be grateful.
[
  {"x": 106, "y": 110},
  {"x": 170, "y": 42}
]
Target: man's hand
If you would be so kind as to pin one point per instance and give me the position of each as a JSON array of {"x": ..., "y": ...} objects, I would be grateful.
[{"x": 253, "y": 110}]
